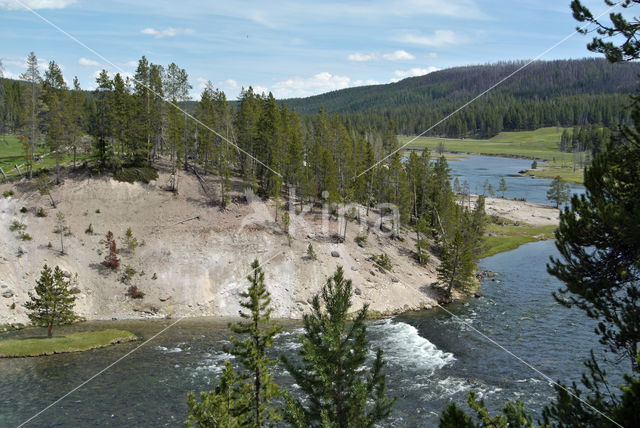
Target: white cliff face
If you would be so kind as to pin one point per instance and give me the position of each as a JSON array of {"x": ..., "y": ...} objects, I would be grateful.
[{"x": 193, "y": 259}]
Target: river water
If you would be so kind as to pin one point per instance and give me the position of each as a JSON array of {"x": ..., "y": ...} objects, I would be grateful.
[
  {"x": 476, "y": 170},
  {"x": 434, "y": 357}
]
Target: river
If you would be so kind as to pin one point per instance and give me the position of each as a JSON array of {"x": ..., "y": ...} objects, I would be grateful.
[
  {"x": 476, "y": 170},
  {"x": 433, "y": 357}
]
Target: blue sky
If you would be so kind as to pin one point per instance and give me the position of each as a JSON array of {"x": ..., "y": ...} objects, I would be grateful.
[{"x": 292, "y": 48}]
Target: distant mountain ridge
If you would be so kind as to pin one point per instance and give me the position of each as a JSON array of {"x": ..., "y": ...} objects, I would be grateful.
[{"x": 544, "y": 93}]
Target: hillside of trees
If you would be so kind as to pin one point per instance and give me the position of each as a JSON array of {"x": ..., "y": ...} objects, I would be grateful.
[
  {"x": 545, "y": 93},
  {"x": 126, "y": 126}
]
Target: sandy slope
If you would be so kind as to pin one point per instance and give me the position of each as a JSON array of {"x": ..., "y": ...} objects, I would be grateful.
[
  {"x": 525, "y": 212},
  {"x": 201, "y": 264}
]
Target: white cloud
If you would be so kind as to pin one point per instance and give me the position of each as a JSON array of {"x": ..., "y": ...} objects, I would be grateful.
[
  {"x": 400, "y": 55},
  {"x": 467, "y": 9},
  {"x": 130, "y": 64},
  {"x": 432, "y": 55},
  {"x": 88, "y": 62},
  {"x": 260, "y": 89},
  {"x": 438, "y": 38},
  {"x": 230, "y": 83},
  {"x": 21, "y": 62},
  {"x": 365, "y": 82},
  {"x": 361, "y": 57},
  {"x": 167, "y": 32},
  {"x": 416, "y": 71},
  {"x": 35, "y": 4},
  {"x": 316, "y": 84},
  {"x": 10, "y": 75},
  {"x": 259, "y": 18}
]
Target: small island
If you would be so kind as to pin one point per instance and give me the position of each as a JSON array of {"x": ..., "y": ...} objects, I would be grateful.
[
  {"x": 51, "y": 305},
  {"x": 76, "y": 342}
]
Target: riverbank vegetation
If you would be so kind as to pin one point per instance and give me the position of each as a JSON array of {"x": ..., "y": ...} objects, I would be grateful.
[
  {"x": 502, "y": 236},
  {"x": 75, "y": 342},
  {"x": 543, "y": 144},
  {"x": 605, "y": 282},
  {"x": 337, "y": 387}
]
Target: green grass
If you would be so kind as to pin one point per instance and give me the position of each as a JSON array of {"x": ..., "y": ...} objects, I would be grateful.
[
  {"x": 540, "y": 144},
  {"x": 76, "y": 342},
  {"x": 11, "y": 153},
  {"x": 11, "y": 327},
  {"x": 566, "y": 173},
  {"x": 501, "y": 238}
]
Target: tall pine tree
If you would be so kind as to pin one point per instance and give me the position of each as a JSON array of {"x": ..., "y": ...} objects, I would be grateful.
[{"x": 338, "y": 389}]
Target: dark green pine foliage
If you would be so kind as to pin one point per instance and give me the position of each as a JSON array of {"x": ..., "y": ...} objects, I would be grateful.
[
  {"x": 242, "y": 399},
  {"x": 338, "y": 389},
  {"x": 227, "y": 406},
  {"x": 599, "y": 244},
  {"x": 559, "y": 192},
  {"x": 53, "y": 302},
  {"x": 513, "y": 415},
  {"x": 251, "y": 350},
  {"x": 461, "y": 248}
]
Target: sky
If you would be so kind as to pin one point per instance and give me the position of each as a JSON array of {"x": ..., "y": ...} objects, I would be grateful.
[{"x": 293, "y": 48}]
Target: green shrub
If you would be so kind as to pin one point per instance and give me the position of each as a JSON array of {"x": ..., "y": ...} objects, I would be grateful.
[
  {"x": 89, "y": 230},
  {"x": 24, "y": 236},
  {"x": 311, "y": 255},
  {"x": 13, "y": 306},
  {"x": 98, "y": 211},
  {"x": 17, "y": 226},
  {"x": 131, "y": 175},
  {"x": 382, "y": 261},
  {"x": 40, "y": 212},
  {"x": 154, "y": 277},
  {"x": 129, "y": 272},
  {"x": 130, "y": 241},
  {"x": 8, "y": 193},
  {"x": 49, "y": 245},
  {"x": 362, "y": 237},
  {"x": 23, "y": 210}
]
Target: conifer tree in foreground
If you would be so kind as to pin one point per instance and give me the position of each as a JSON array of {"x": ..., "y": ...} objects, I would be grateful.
[
  {"x": 53, "y": 302},
  {"x": 243, "y": 399},
  {"x": 338, "y": 392}
]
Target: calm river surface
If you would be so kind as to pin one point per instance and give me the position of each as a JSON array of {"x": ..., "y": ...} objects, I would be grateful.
[
  {"x": 433, "y": 357},
  {"x": 476, "y": 170}
]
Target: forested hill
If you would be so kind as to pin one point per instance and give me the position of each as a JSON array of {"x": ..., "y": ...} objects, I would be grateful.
[{"x": 545, "y": 93}]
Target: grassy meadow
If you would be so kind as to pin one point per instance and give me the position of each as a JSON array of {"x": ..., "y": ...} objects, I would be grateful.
[
  {"x": 506, "y": 237},
  {"x": 541, "y": 144},
  {"x": 12, "y": 153},
  {"x": 76, "y": 342}
]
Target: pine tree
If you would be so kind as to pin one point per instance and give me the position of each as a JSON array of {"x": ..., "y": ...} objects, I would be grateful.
[
  {"x": 502, "y": 187},
  {"x": 338, "y": 389},
  {"x": 311, "y": 254},
  {"x": 57, "y": 126},
  {"x": 559, "y": 192},
  {"x": 227, "y": 406},
  {"x": 34, "y": 106},
  {"x": 422, "y": 228},
  {"x": 44, "y": 187},
  {"x": 111, "y": 260},
  {"x": 103, "y": 122},
  {"x": 258, "y": 332},
  {"x": 53, "y": 302},
  {"x": 62, "y": 229},
  {"x": 286, "y": 221}
]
